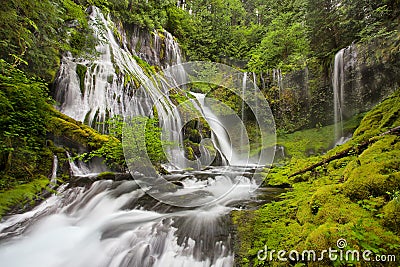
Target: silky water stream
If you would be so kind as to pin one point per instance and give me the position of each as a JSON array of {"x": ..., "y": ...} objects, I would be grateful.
[{"x": 115, "y": 223}]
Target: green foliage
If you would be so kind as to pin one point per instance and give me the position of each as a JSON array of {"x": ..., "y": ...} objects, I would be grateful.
[
  {"x": 37, "y": 32},
  {"x": 150, "y": 14},
  {"x": 110, "y": 147},
  {"x": 347, "y": 21},
  {"x": 23, "y": 120},
  {"x": 285, "y": 46}
]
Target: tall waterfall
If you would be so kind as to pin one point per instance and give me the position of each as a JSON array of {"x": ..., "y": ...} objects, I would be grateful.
[{"x": 338, "y": 93}]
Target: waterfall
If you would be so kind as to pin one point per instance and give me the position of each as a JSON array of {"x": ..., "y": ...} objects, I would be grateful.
[
  {"x": 115, "y": 223},
  {"x": 222, "y": 134},
  {"x": 219, "y": 135},
  {"x": 109, "y": 86},
  {"x": 53, "y": 178},
  {"x": 338, "y": 92},
  {"x": 80, "y": 169},
  {"x": 278, "y": 79}
]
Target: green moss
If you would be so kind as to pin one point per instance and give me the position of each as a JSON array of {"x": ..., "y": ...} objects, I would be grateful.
[
  {"x": 381, "y": 118},
  {"x": 244, "y": 221},
  {"x": 146, "y": 67},
  {"x": 106, "y": 176},
  {"x": 391, "y": 215},
  {"x": 317, "y": 141},
  {"x": 81, "y": 71},
  {"x": 375, "y": 171},
  {"x": 62, "y": 125},
  {"x": 22, "y": 194}
]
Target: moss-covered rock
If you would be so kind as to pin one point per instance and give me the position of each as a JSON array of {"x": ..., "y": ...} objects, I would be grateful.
[
  {"x": 61, "y": 125},
  {"x": 391, "y": 215},
  {"x": 22, "y": 195}
]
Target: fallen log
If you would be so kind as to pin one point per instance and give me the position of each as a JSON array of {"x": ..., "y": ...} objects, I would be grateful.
[{"x": 347, "y": 152}]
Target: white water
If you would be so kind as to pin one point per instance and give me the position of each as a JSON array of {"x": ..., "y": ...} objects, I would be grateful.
[
  {"x": 110, "y": 225},
  {"x": 53, "y": 178},
  {"x": 220, "y": 135},
  {"x": 108, "y": 86},
  {"x": 77, "y": 169},
  {"x": 338, "y": 93}
]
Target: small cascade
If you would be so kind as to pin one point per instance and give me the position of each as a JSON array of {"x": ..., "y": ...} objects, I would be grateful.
[
  {"x": 338, "y": 92},
  {"x": 279, "y": 152},
  {"x": 220, "y": 135},
  {"x": 53, "y": 178},
  {"x": 77, "y": 169},
  {"x": 278, "y": 79},
  {"x": 342, "y": 140},
  {"x": 209, "y": 116}
]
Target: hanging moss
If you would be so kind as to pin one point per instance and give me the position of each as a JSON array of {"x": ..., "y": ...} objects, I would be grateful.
[{"x": 81, "y": 71}]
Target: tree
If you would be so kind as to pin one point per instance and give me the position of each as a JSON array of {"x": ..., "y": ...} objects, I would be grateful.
[{"x": 285, "y": 46}]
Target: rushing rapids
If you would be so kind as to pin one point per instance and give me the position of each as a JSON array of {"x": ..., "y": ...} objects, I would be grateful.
[{"x": 114, "y": 223}]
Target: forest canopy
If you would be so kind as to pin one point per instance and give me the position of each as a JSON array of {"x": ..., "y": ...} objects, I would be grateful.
[{"x": 256, "y": 35}]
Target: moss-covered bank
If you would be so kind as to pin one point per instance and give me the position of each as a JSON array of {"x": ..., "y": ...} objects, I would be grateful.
[{"x": 355, "y": 197}]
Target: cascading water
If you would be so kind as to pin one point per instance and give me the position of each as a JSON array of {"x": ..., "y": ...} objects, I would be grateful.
[
  {"x": 338, "y": 93},
  {"x": 220, "y": 136},
  {"x": 78, "y": 169},
  {"x": 117, "y": 224},
  {"x": 278, "y": 79},
  {"x": 53, "y": 178},
  {"x": 108, "y": 86}
]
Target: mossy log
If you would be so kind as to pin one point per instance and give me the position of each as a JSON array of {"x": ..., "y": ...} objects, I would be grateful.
[{"x": 347, "y": 152}]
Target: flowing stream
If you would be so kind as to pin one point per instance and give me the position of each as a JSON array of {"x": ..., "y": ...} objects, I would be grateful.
[{"x": 114, "y": 223}]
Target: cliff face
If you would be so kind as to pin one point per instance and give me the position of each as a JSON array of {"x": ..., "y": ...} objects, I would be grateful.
[
  {"x": 366, "y": 73},
  {"x": 157, "y": 47}
]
